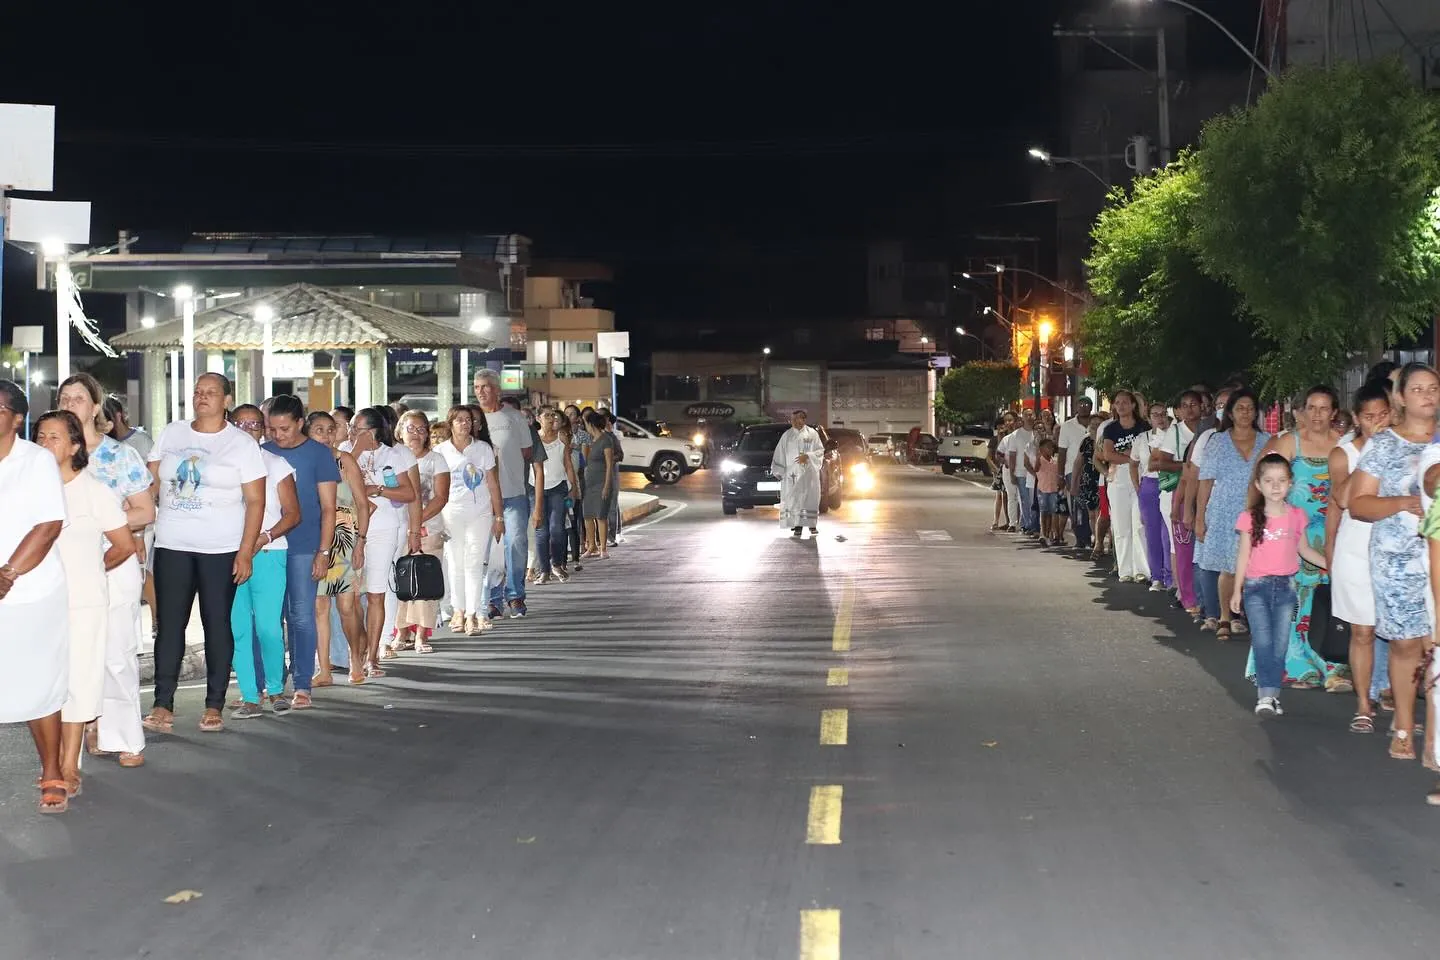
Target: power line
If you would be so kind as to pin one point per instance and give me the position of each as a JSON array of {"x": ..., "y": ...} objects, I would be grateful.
[{"x": 875, "y": 143}]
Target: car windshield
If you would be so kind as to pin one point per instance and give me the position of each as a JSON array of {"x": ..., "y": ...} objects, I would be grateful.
[
  {"x": 761, "y": 440},
  {"x": 977, "y": 431}
]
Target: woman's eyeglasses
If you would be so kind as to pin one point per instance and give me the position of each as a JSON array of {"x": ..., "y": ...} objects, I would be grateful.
[{"x": 249, "y": 424}]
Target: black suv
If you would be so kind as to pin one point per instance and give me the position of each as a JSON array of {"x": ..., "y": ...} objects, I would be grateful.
[{"x": 746, "y": 480}]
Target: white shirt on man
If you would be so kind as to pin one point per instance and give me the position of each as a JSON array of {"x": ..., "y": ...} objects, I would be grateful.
[
  {"x": 1022, "y": 440},
  {"x": 202, "y": 475},
  {"x": 1072, "y": 434}
]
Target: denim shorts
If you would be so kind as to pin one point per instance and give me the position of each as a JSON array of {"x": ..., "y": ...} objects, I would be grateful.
[{"x": 1049, "y": 502}]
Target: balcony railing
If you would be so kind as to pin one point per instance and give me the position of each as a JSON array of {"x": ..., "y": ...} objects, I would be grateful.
[{"x": 561, "y": 371}]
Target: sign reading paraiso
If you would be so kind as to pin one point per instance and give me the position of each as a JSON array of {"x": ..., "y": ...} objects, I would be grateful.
[{"x": 710, "y": 411}]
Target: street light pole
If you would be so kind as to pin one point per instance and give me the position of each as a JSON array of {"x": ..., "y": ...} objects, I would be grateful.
[
  {"x": 186, "y": 296},
  {"x": 1269, "y": 75},
  {"x": 1044, "y": 156},
  {"x": 266, "y": 315}
]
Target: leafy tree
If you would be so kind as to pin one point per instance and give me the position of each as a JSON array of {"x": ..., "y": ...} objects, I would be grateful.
[
  {"x": 1159, "y": 322},
  {"x": 1319, "y": 205},
  {"x": 976, "y": 391}
]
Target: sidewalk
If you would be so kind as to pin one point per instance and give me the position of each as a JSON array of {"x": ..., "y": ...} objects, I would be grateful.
[{"x": 634, "y": 506}]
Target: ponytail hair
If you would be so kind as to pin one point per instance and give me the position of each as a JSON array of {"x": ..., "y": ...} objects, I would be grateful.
[{"x": 1255, "y": 501}]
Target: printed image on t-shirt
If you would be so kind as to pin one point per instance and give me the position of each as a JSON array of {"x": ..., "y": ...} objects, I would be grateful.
[{"x": 185, "y": 484}]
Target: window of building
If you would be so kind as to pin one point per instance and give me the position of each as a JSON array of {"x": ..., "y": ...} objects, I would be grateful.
[
  {"x": 875, "y": 386},
  {"x": 734, "y": 386},
  {"x": 875, "y": 333},
  {"x": 677, "y": 387}
]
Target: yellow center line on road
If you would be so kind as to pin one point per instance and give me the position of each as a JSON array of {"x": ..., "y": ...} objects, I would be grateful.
[
  {"x": 834, "y": 727},
  {"x": 823, "y": 824},
  {"x": 840, "y": 639},
  {"x": 838, "y": 677},
  {"x": 819, "y": 935}
]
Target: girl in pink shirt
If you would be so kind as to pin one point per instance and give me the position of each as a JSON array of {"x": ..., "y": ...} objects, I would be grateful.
[{"x": 1271, "y": 545}]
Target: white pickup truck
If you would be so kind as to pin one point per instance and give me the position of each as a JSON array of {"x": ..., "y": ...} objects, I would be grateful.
[{"x": 661, "y": 459}]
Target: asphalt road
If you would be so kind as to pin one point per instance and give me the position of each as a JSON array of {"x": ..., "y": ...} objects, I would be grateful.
[{"x": 1025, "y": 761}]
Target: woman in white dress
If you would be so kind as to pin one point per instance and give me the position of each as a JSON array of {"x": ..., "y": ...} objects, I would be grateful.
[
  {"x": 1352, "y": 596},
  {"x": 120, "y": 467},
  {"x": 391, "y": 488},
  {"x": 415, "y": 620},
  {"x": 35, "y": 680},
  {"x": 96, "y": 538}
]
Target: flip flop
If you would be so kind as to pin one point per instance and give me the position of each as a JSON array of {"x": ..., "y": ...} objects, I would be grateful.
[
  {"x": 316, "y": 681},
  {"x": 1362, "y": 723}
]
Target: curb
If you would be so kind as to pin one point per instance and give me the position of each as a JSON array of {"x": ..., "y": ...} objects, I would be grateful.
[
  {"x": 653, "y": 505},
  {"x": 192, "y": 665}
]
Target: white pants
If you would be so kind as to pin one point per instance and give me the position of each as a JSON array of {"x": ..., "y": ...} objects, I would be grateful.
[
  {"x": 382, "y": 548},
  {"x": 119, "y": 724},
  {"x": 465, "y": 557},
  {"x": 1012, "y": 499},
  {"x": 1129, "y": 534}
]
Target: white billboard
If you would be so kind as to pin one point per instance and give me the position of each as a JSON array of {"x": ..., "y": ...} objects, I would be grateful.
[{"x": 27, "y": 147}]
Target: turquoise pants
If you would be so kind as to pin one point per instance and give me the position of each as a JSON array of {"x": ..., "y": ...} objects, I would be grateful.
[{"x": 255, "y": 621}]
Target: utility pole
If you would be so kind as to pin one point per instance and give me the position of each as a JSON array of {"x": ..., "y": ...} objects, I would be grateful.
[{"x": 1162, "y": 90}]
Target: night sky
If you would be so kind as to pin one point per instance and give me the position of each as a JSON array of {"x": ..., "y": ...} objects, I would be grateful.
[{"x": 718, "y": 157}]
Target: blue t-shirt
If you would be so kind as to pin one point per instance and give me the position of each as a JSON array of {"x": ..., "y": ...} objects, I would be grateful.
[{"x": 314, "y": 464}]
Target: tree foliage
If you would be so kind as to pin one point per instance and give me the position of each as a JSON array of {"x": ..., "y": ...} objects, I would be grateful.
[
  {"x": 1159, "y": 322},
  {"x": 976, "y": 391},
  {"x": 1319, "y": 205}
]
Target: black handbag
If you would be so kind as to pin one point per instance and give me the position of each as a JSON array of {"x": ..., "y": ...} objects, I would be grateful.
[
  {"x": 1329, "y": 637},
  {"x": 419, "y": 576}
]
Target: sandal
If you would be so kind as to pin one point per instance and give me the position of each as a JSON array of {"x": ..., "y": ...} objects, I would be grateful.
[
  {"x": 159, "y": 720},
  {"x": 388, "y": 653},
  {"x": 422, "y": 647},
  {"x": 54, "y": 796},
  {"x": 132, "y": 760},
  {"x": 1387, "y": 701},
  {"x": 1402, "y": 746},
  {"x": 1433, "y": 797},
  {"x": 1362, "y": 723},
  {"x": 301, "y": 701},
  {"x": 1222, "y": 630},
  {"x": 92, "y": 740},
  {"x": 356, "y": 679},
  {"x": 211, "y": 722},
  {"x": 319, "y": 680},
  {"x": 372, "y": 670},
  {"x": 1239, "y": 627}
]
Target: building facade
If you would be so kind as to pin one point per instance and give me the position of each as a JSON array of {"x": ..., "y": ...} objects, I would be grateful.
[{"x": 562, "y": 332}]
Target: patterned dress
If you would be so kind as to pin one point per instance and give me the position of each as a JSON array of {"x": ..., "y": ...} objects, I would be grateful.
[
  {"x": 1399, "y": 556},
  {"x": 1311, "y": 493},
  {"x": 340, "y": 578},
  {"x": 1231, "y": 473}
]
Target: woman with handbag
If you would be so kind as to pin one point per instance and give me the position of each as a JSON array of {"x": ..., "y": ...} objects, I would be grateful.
[
  {"x": 1308, "y": 449},
  {"x": 418, "y": 617},
  {"x": 394, "y": 527}
]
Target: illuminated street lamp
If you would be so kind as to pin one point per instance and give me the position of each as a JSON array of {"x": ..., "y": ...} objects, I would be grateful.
[{"x": 1049, "y": 159}]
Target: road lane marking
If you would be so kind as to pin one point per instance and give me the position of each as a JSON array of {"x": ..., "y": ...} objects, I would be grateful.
[
  {"x": 834, "y": 727},
  {"x": 819, "y": 935},
  {"x": 838, "y": 677},
  {"x": 934, "y": 535},
  {"x": 840, "y": 638},
  {"x": 823, "y": 823}
]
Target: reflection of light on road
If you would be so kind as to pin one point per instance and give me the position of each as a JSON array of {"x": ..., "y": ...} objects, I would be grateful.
[{"x": 862, "y": 511}]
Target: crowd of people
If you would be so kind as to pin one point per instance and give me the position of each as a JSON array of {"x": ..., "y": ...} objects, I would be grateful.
[
  {"x": 282, "y": 528},
  {"x": 1262, "y": 524}
]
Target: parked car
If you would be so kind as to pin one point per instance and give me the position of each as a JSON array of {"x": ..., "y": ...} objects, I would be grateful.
[
  {"x": 887, "y": 446},
  {"x": 746, "y": 480},
  {"x": 967, "y": 450},
  {"x": 663, "y": 459},
  {"x": 426, "y": 403}
]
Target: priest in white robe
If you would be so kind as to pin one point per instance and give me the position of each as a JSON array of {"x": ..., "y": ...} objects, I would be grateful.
[{"x": 797, "y": 460}]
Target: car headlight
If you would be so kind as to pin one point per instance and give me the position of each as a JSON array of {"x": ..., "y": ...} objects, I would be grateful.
[
  {"x": 698, "y": 439},
  {"x": 860, "y": 468},
  {"x": 731, "y": 466}
]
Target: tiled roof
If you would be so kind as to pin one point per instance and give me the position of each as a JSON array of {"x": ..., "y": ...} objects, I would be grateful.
[{"x": 306, "y": 318}]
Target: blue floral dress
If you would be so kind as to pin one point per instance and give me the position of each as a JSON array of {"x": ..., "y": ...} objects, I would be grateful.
[
  {"x": 1399, "y": 556},
  {"x": 1231, "y": 473}
]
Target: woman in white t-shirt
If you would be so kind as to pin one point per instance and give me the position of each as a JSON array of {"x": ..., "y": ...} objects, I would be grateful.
[
  {"x": 211, "y": 483},
  {"x": 473, "y": 515},
  {"x": 259, "y": 604},
  {"x": 415, "y": 619},
  {"x": 96, "y": 538},
  {"x": 394, "y": 526}
]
